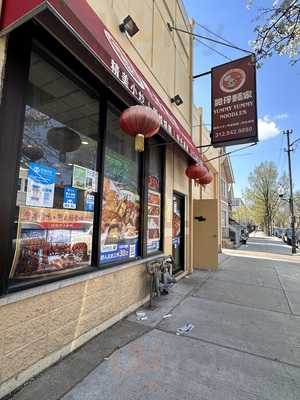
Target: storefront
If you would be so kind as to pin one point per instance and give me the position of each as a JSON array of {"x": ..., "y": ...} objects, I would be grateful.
[
  {"x": 75, "y": 167},
  {"x": 76, "y": 197}
]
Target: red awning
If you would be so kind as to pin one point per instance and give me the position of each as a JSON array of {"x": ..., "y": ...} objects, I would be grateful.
[{"x": 86, "y": 25}]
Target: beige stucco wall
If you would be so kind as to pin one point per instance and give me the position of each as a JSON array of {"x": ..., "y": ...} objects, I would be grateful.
[
  {"x": 41, "y": 325},
  {"x": 201, "y": 136},
  {"x": 164, "y": 57}
]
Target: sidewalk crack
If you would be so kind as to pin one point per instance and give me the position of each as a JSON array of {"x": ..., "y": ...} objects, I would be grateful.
[{"x": 283, "y": 291}]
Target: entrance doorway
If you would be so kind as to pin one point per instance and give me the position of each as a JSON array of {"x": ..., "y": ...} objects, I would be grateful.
[
  {"x": 205, "y": 234},
  {"x": 178, "y": 231}
]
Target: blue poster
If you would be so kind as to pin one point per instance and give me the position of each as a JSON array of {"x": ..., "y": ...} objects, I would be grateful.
[
  {"x": 118, "y": 252},
  {"x": 41, "y": 184},
  {"x": 176, "y": 241},
  {"x": 70, "y": 198},
  {"x": 153, "y": 246},
  {"x": 89, "y": 202}
]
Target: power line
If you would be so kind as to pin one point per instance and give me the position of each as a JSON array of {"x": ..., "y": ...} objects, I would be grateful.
[
  {"x": 242, "y": 155},
  {"x": 203, "y": 152},
  {"x": 171, "y": 28},
  {"x": 214, "y": 33},
  {"x": 212, "y": 49},
  {"x": 194, "y": 126},
  {"x": 233, "y": 151}
]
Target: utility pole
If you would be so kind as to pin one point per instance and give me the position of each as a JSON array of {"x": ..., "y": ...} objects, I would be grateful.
[{"x": 291, "y": 199}]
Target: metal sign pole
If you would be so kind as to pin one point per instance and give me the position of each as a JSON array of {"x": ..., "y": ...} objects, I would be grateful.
[{"x": 291, "y": 200}]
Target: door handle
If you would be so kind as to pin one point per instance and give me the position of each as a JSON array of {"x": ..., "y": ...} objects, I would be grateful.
[{"x": 200, "y": 218}]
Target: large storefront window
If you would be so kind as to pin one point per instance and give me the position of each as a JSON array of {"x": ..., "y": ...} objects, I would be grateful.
[
  {"x": 154, "y": 235},
  {"x": 120, "y": 225},
  {"x": 57, "y": 176}
]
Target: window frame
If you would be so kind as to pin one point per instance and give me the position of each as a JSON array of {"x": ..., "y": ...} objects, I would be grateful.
[{"x": 20, "y": 44}]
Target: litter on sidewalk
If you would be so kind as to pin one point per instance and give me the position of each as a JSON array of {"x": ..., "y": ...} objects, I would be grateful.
[
  {"x": 167, "y": 316},
  {"x": 141, "y": 316},
  {"x": 184, "y": 329}
]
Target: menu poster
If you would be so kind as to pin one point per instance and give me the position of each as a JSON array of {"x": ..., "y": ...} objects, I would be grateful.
[
  {"x": 79, "y": 177},
  {"x": 40, "y": 185},
  {"x": 153, "y": 182},
  {"x": 51, "y": 241},
  {"x": 154, "y": 212},
  {"x": 176, "y": 223},
  {"x": 121, "y": 209}
]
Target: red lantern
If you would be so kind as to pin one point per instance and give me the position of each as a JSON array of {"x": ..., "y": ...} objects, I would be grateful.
[
  {"x": 206, "y": 179},
  {"x": 140, "y": 122},
  {"x": 196, "y": 171}
]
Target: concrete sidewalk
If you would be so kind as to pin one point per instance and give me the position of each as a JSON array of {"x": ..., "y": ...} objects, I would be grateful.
[{"x": 245, "y": 343}]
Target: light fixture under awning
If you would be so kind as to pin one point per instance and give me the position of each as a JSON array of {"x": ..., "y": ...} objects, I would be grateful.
[{"x": 80, "y": 19}]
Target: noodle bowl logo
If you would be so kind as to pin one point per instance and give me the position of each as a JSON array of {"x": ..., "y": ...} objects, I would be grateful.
[{"x": 232, "y": 80}]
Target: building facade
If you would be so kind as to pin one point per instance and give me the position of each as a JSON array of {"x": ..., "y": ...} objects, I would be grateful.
[
  {"x": 237, "y": 202},
  {"x": 210, "y": 155},
  {"x": 226, "y": 196},
  {"x": 81, "y": 211}
]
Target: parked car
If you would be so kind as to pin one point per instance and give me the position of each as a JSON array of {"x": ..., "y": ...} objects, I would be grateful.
[
  {"x": 279, "y": 232},
  {"x": 298, "y": 238},
  {"x": 287, "y": 236},
  {"x": 276, "y": 231}
]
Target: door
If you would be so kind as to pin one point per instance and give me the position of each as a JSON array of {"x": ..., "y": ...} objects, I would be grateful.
[
  {"x": 178, "y": 232},
  {"x": 205, "y": 234}
]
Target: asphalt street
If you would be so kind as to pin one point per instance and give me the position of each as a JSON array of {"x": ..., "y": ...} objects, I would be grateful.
[{"x": 244, "y": 343}]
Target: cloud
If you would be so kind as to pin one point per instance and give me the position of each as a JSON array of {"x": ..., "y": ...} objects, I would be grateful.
[
  {"x": 281, "y": 116},
  {"x": 267, "y": 128}
]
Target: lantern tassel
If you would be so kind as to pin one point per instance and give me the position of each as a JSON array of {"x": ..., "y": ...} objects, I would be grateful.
[{"x": 139, "y": 142}]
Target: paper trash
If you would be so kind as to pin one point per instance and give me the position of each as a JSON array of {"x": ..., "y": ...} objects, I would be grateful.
[{"x": 184, "y": 329}]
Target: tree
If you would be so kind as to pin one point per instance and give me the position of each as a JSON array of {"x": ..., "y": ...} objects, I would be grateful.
[
  {"x": 242, "y": 215},
  {"x": 278, "y": 30},
  {"x": 281, "y": 219},
  {"x": 262, "y": 194}
]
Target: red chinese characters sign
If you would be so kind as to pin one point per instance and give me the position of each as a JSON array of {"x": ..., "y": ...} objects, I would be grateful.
[
  {"x": 86, "y": 25},
  {"x": 234, "y": 117}
]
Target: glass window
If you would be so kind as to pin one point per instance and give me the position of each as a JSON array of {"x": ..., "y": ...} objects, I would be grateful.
[
  {"x": 154, "y": 237},
  {"x": 120, "y": 224},
  {"x": 57, "y": 176}
]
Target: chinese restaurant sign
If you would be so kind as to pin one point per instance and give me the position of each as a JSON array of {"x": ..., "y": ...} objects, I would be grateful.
[
  {"x": 234, "y": 117},
  {"x": 89, "y": 29}
]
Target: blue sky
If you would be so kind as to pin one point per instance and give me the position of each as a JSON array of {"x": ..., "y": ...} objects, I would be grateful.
[{"x": 278, "y": 84}]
